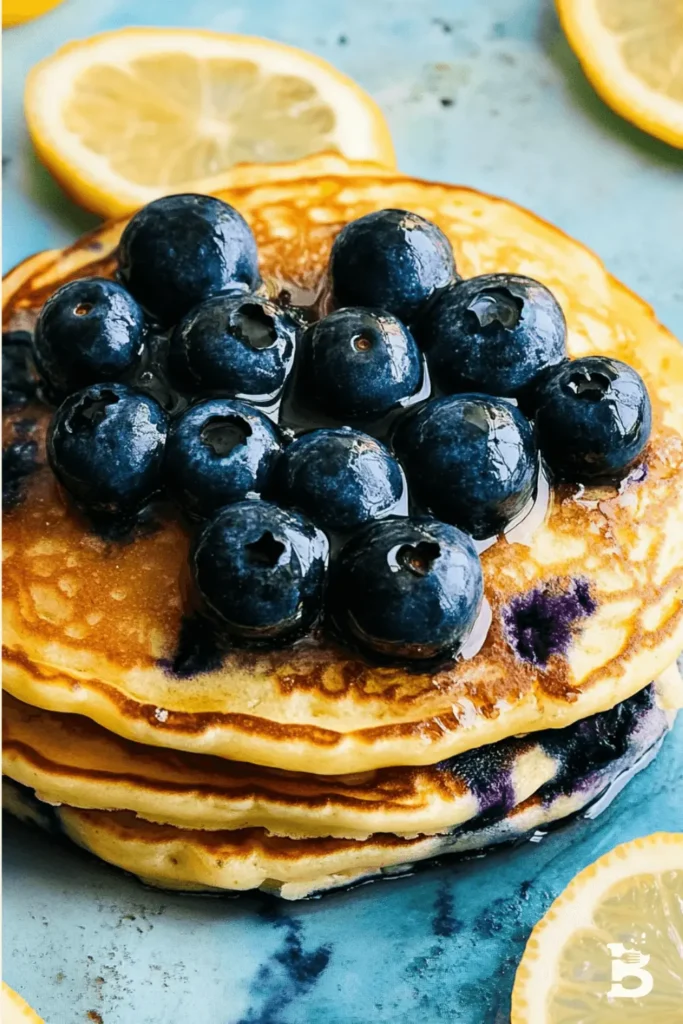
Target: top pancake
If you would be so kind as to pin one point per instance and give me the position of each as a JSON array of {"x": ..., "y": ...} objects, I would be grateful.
[{"x": 94, "y": 627}]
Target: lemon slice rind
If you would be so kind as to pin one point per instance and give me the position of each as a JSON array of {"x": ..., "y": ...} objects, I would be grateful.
[
  {"x": 16, "y": 1010},
  {"x": 16, "y": 12}
]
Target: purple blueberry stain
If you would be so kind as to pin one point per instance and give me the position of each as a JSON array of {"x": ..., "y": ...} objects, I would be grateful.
[
  {"x": 487, "y": 773},
  {"x": 637, "y": 476},
  {"x": 542, "y": 622}
]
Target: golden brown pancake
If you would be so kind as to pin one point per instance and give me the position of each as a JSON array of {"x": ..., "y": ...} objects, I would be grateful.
[
  {"x": 249, "y": 858},
  {"x": 68, "y": 759},
  {"x": 96, "y": 627}
]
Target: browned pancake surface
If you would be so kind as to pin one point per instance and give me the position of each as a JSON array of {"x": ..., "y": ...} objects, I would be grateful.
[{"x": 94, "y": 627}]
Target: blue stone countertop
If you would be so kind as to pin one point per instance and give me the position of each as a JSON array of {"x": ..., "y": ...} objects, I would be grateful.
[{"x": 483, "y": 93}]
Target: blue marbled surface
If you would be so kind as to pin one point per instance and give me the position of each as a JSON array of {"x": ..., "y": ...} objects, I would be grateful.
[{"x": 80, "y": 940}]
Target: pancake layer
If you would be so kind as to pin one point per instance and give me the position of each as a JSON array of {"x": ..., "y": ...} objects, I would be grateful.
[
  {"x": 67, "y": 759},
  {"x": 244, "y": 859},
  {"x": 102, "y": 628}
]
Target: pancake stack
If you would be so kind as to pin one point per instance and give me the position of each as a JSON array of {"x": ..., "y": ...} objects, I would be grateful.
[{"x": 129, "y": 729}]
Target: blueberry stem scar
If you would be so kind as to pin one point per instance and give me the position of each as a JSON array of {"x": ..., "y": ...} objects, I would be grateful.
[
  {"x": 266, "y": 550},
  {"x": 225, "y": 433}
]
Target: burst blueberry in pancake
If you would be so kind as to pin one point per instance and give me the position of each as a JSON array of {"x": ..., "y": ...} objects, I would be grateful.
[{"x": 582, "y": 586}]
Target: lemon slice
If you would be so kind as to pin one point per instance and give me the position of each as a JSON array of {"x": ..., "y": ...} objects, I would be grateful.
[
  {"x": 632, "y": 52},
  {"x": 15, "y": 12},
  {"x": 127, "y": 116},
  {"x": 16, "y": 1010},
  {"x": 610, "y": 949}
]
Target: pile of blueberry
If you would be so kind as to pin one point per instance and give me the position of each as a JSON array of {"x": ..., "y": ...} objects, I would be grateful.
[{"x": 421, "y": 403}]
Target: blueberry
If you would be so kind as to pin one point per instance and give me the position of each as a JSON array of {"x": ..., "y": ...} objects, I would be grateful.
[
  {"x": 340, "y": 478},
  {"x": 391, "y": 259},
  {"x": 406, "y": 588},
  {"x": 261, "y": 571},
  {"x": 90, "y": 331},
  {"x": 20, "y": 460},
  {"x": 358, "y": 364},
  {"x": 241, "y": 346},
  {"x": 180, "y": 250},
  {"x": 106, "y": 447},
  {"x": 495, "y": 333},
  {"x": 19, "y": 380},
  {"x": 470, "y": 460},
  {"x": 593, "y": 418},
  {"x": 219, "y": 451},
  {"x": 528, "y": 399}
]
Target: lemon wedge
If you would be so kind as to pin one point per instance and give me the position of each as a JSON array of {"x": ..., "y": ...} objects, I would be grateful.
[
  {"x": 15, "y": 12},
  {"x": 124, "y": 117},
  {"x": 632, "y": 52},
  {"x": 610, "y": 948},
  {"x": 16, "y": 1010}
]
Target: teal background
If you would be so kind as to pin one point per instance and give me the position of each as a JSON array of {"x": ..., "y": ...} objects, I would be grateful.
[{"x": 84, "y": 943}]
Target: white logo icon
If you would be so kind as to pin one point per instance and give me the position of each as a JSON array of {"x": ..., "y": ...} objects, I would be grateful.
[{"x": 629, "y": 963}]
